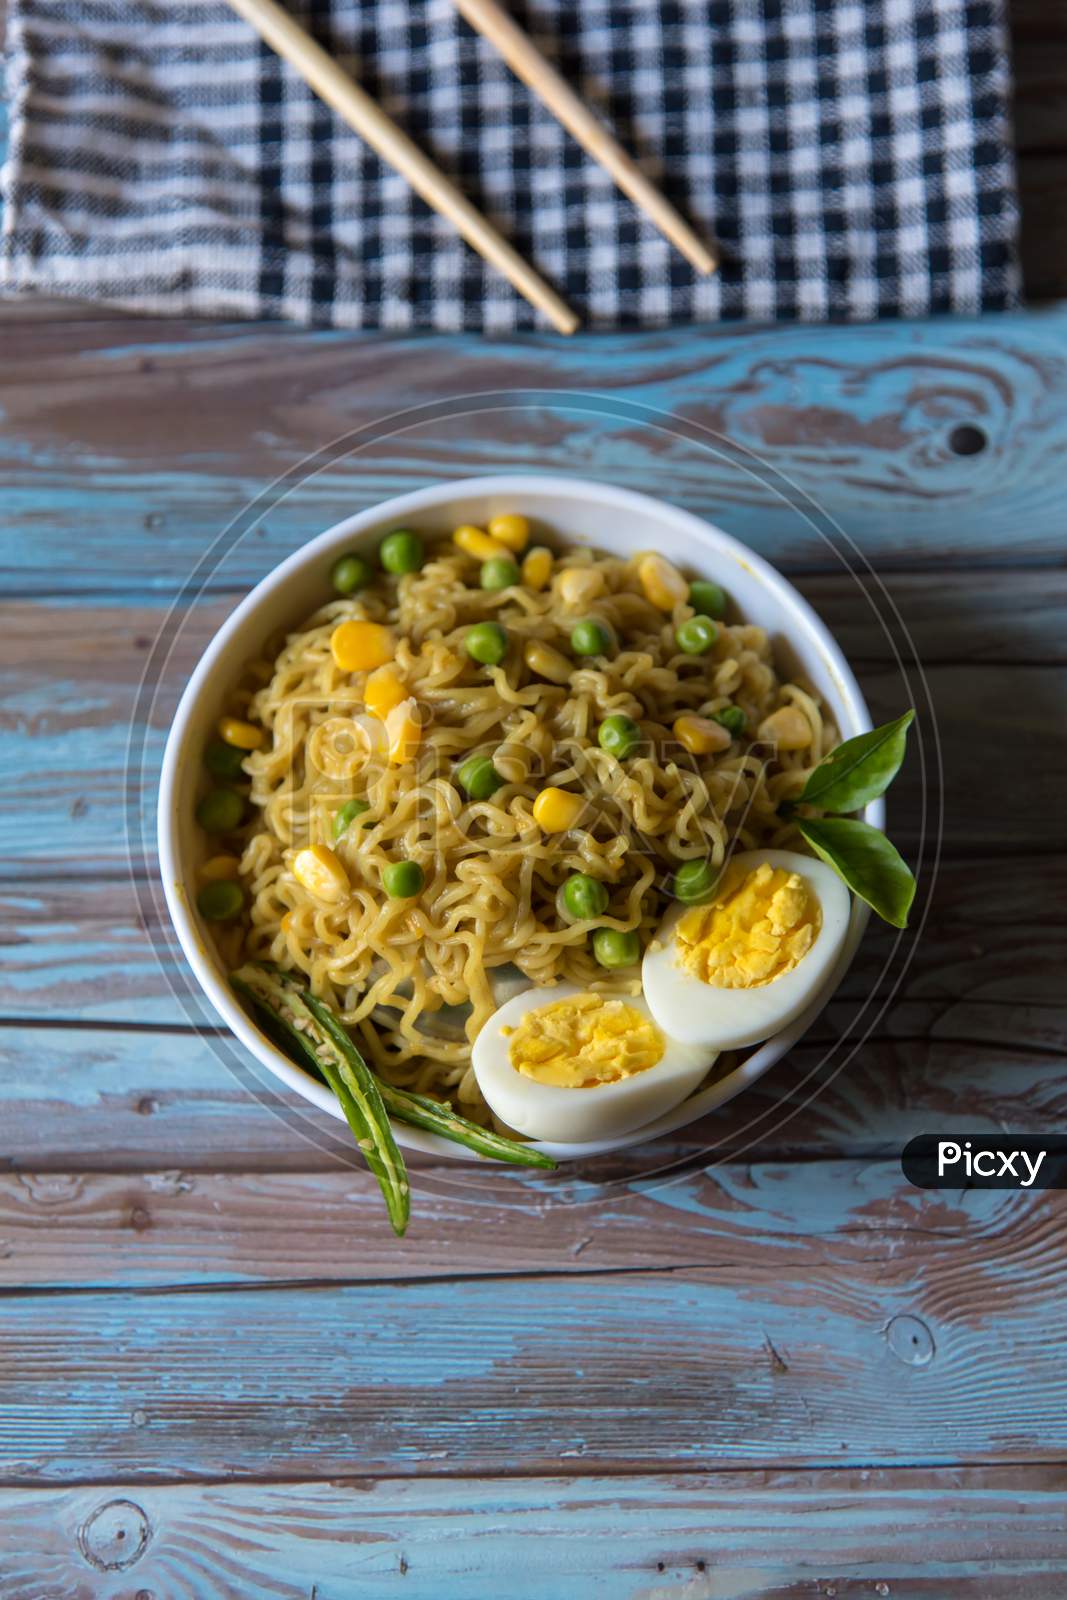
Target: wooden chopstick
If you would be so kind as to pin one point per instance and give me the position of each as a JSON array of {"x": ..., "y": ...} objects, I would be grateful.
[
  {"x": 366, "y": 117},
  {"x": 527, "y": 63}
]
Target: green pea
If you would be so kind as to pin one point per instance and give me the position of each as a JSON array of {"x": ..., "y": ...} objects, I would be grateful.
[
  {"x": 615, "y": 949},
  {"x": 479, "y": 777},
  {"x": 499, "y": 573},
  {"x": 402, "y": 880},
  {"x": 486, "y": 642},
  {"x": 221, "y": 900},
  {"x": 707, "y": 599},
  {"x": 732, "y": 719},
  {"x": 220, "y": 811},
  {"x": 223, "y": 760},
  {"x": 694, "y": 882},
  {"x": 591, "y": 638},
  {"x": 696, "y": 636},
  {"x": 619, "y": 736},
  {"x": 347, "y": 815},
  {"x": 585, "y": 897},
  {"x": 350, "y": 573},
  {"x": 401, "y": 551}
]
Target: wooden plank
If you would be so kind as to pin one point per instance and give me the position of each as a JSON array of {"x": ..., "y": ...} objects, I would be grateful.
[
  {"x": 947, "y": 1351},
  {"x": 67, "y": 719},
  {"x": 983, "y": 1533},
  {"x": 953, "y": 616},
  {"x": 67, "y": 750},
  {"x": 1039, "y": 51},
  {"x": 961, "y": 615},
  {"x": 134, "y": 1099},
  {"x": 991, "y": 967},
  {"x": 1043, "y": 192},
  {"x": 78, "y": 1230},
  {"x": 86, "y": 1100},
  {"x": 137, "y": 441},
  {"x": 1039, "y": 60},
  {"x": 81, "y": 949}
]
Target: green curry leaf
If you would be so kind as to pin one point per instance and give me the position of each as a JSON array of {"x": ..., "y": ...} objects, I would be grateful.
[
  {"x": 864, "y": 858},
  {"x": 859, "y": 770}
]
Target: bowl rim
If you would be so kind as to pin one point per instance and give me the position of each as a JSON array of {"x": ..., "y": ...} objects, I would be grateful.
[{"x": 398, "y": 509}]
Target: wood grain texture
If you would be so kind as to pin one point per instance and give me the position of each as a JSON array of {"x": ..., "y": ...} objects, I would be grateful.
[
  {"x": 755, "y": 1221},
  {"x": 145, "y": 1164},
  {"x": 858, "y": 421},
  {"x": 79, "y": 1100},
  {"x": 1039, "y": 48},
  {"x": 193, "y": 1288},
  {"x": 989, "y": 968},
  {"x": 974, "y": 1534},
  {"x": 67, "y": 723},
  {"x": 934, "y": 1355}
]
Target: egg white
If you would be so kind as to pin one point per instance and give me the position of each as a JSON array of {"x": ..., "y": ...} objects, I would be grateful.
[
  {"x": 574, "y": 1116},
  {"x": 698, "y": 1013}
]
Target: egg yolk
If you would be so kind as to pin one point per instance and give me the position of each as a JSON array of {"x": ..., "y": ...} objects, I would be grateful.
[
  {"x": 583, "y": 1041},
  {"x": 757, "y": 928}
]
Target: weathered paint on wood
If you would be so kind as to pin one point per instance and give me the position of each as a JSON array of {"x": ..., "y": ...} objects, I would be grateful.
[
  {"x": 863, "y": 420},
  {"x": 933, "y": 1356},
  {"x": 983, "y": 1533},
  {"x": 1011, "y": 619},
  {"x": 78, "y": 1099},
  {"x": 66, "y": 758},
  {"x": 753, "y": 1222},
  {"x": 989, "y": 968},
  {"x": 773, "y": 1313},
  {"x": 67, "y": 709}
]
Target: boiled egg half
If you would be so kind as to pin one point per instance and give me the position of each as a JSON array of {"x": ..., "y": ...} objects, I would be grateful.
[
  {"x": 752, "y": 957},
  {"x": 568, "y": 1065}
]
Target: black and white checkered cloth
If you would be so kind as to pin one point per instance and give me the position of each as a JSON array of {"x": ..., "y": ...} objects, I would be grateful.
[{"x": 853, "y": 158}]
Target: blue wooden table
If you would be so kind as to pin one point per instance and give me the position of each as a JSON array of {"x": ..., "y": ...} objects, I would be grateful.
[
  {"x": 748, "y": 1364},
  {"x": 751, "y": 1362}
]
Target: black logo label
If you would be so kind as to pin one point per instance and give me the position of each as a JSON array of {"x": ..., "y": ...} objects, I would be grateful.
[{"x": 979, "y": 1161}]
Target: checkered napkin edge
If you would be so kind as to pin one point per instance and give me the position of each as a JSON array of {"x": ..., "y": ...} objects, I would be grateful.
[{"x": 853, "y": 158}]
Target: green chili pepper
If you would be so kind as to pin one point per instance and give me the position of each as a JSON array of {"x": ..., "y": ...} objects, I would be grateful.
[
  {"x": 321, "y": 1037},
  {"x": 272, "y": 994}
]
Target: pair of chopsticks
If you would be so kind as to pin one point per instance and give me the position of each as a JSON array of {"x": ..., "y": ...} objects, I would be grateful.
[{"x": 363, "y": 114}]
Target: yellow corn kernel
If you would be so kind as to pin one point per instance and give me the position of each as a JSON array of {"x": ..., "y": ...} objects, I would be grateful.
[
  {"x": 787, "y": 727},
  {"x": 700, "y": 735},
  {"x": 220, "y": 867},
  {"x": 403, "y": 731},
  {"x": 383, "y": 691},
  {"x": 243, "y": 735},
  {"x": 321, "y": 873},
  {"x": 361, "y": 646},
  {"x": 479, "y": 544},
  {"x": 510, "y": 529},
  {"x": 287, "y": 922},
  {"x": 580, "y": 585},
  {"x": 555, "y": 810},
  {"x": 663, "y": 584},
  {"x": 547, "y": 662},
  {"x": 537, "y": 567}
]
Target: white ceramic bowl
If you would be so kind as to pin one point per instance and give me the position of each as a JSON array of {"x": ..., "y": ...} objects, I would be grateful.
[{"x": 615, "y": 520}]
